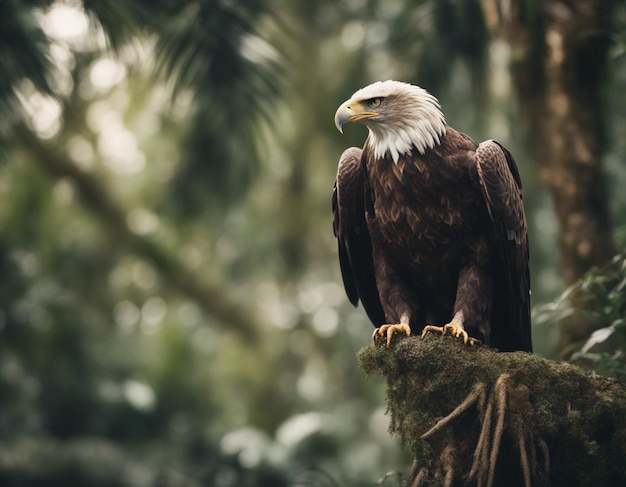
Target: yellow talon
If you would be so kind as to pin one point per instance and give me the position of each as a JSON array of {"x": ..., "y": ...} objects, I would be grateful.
[
  {"x": 454, "y": 330},
  {"x": 433, "y": 329},
  {"x": 389, "y": 330}
]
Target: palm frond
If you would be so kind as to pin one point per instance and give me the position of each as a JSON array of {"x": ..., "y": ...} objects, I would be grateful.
[
  {"x": 215, "y": 49},
  {"x": 206, "y": 47},
  {"x": 123, "y": 21},
  {"x": 23, "y": 52},
  {"x": 437, "y": 33}
]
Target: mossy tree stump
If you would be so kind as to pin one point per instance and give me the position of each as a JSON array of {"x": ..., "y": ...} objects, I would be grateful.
[{"x": 475, "y": 416}]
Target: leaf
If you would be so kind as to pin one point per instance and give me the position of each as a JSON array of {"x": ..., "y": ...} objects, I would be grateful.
[{"x": 598, "y": 336}]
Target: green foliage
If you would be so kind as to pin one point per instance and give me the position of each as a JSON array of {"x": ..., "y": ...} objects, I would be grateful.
[
  {"x": 23, "y": 56},
  {"x": 601, "y": 293},
  {"x": 450, "y": 30},
  {"x": 215, "y": 49}
]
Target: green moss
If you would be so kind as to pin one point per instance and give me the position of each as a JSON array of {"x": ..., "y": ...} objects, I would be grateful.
[{"x": 553, "y": 409}]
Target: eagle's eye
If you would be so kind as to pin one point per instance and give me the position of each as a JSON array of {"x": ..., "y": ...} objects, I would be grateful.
[{"x": 375, "y": 102}]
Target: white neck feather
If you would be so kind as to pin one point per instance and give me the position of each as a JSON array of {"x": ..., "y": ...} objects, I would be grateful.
[
  {"x": 418, "y": 122},
  {"x": 397, "y": 141}
]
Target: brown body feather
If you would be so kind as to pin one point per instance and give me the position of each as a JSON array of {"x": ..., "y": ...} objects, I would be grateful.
[{"x": 434, "y": 234}]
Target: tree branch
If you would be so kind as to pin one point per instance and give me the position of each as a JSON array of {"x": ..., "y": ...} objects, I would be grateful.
[
  {"x": 474, "y": 416},
  {"x": 213, "y": 298}
]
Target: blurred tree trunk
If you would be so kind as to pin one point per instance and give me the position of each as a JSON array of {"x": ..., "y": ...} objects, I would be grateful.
[{"x": 559, "y": 52}]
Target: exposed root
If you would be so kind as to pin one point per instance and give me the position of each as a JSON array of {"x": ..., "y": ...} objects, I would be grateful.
[
  {"x": 477, "y": 391},
  {"x": 505, "y": 408},
  {"x": 500, "y": 394},
  {"x": 479, "y": 464},
  {"x": 445, "y": 476},
  {"x": 448, "y": 461},
  {"x": 521, "y": 443},
  {"x": 421, "y": 477}
]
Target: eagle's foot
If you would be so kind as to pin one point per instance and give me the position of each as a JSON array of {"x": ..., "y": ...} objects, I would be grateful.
[
  {"x": 389, "y": 330},
  {"x": 454, "y": 329}
]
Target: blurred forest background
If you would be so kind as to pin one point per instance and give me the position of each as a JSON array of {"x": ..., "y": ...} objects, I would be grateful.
[{"x": 171, "y": 309}]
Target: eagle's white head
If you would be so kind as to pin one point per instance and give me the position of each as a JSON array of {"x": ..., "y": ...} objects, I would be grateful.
[{"x": 399, "y": 116}]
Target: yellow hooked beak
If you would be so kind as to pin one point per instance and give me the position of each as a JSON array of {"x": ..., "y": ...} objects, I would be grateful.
[{"x": 351, "y": 111}]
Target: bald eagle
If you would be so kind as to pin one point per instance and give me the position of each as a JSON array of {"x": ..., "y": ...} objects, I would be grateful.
[{"x": 430, "y": 225}]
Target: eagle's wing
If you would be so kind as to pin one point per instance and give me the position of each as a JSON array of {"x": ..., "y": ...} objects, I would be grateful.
[
  {"x": 350, "y": 228},
  {"x": 502, "y": 190}
]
